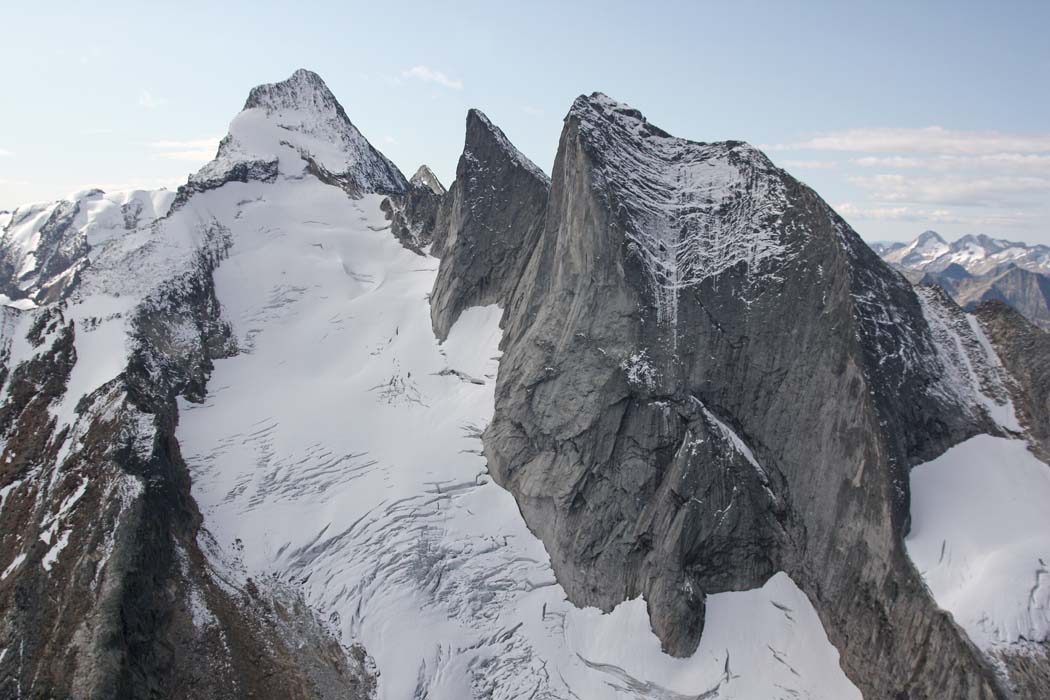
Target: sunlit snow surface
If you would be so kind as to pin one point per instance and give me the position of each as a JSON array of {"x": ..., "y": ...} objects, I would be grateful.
[
  {"x": 336, "y": 452},
  {"x": 981, "y": 538}
]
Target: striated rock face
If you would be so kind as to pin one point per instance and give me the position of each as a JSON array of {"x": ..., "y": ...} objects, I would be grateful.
[
  {"x": 488, "y": 225},
  {"x": 708, "y": 377}
]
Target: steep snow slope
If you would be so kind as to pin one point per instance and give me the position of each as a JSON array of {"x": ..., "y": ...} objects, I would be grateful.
[
  {"x": 339, "y": 451},
  {"x": 981, "y": 538}
]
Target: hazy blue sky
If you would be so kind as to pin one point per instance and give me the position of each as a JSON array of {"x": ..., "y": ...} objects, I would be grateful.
[{"x": 903, "y": 116}]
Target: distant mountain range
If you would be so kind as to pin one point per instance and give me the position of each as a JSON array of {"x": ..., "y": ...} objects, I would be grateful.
[{"x": 975, "y": 269}]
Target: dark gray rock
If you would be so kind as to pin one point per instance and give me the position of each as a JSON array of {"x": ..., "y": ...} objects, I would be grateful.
[
  {"x": 413, "y": 214},
  {"x": 425, "y": 176},
  {"x": 1026, "y": 291},
  {"x": 488, "y": 225},
  {"x": 1025, "y": 352},
  {"x": 709, "y": 377},
  {"x": 242, "y": 171}
]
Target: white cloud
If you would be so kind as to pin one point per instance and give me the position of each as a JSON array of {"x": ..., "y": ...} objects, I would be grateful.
[
  {"x": 191, "y": 149},
  {"x": 890, "y": 162},
  {"x": 852, "y": 211},
  {"x": 4, "y": 153},
  {"x": 969, "y": 191},
  {"x": 931, "y": 139},
  {"x": 148, "y": 101},
  {"x": 931, "y": 216},
  {"x": 809, "y": 164},
  {"x": 430, "y": 75},
  {"x": 1003, "y": 163}
]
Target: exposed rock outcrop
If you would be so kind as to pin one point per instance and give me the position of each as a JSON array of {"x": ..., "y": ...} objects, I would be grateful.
[
  {"x": 1025, "y": 352},
  {"x": 488, "y": 225},
  {"x": 1026, "y": 291},
  {"x": 709, "y": 377},
  {"x": 425, "y": 176},
  {"x": 413, "y": 214}
]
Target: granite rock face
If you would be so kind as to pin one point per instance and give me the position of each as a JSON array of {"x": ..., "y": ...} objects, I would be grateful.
[
  {"x": 488, "y": 224},
  {"x": 413, "y": 214},
  {"x": 1025, "y": 352},
  {"x": 425, "y": 177},
  {"x": 708, "y": 377},
  {"x": 1026, "y": 291}
]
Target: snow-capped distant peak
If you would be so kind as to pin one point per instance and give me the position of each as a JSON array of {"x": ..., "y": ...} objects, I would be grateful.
[
  {"x": 921, "y": 252},
  {"x": 929, "y": 239},
  {"x": 293, "y": 126},
  {"x": 978, "y": 254},
  {"x": 425, "y": 177}
]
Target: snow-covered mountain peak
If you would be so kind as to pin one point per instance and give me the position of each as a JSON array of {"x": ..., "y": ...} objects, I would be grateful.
[
  {"x": 425, "y": 177},
  {"x": 979, "y": 254},
  {"x": 923, "y": 250},
  {"x": 596, "y": 108},
  {"x": 293, "y": 126},
  {"x": 303, "y": 91}
]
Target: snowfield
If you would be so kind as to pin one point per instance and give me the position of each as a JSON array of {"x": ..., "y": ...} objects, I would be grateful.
[
  {"x": 340, "y": 449},
  {"x": 981, "y": 538}
]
